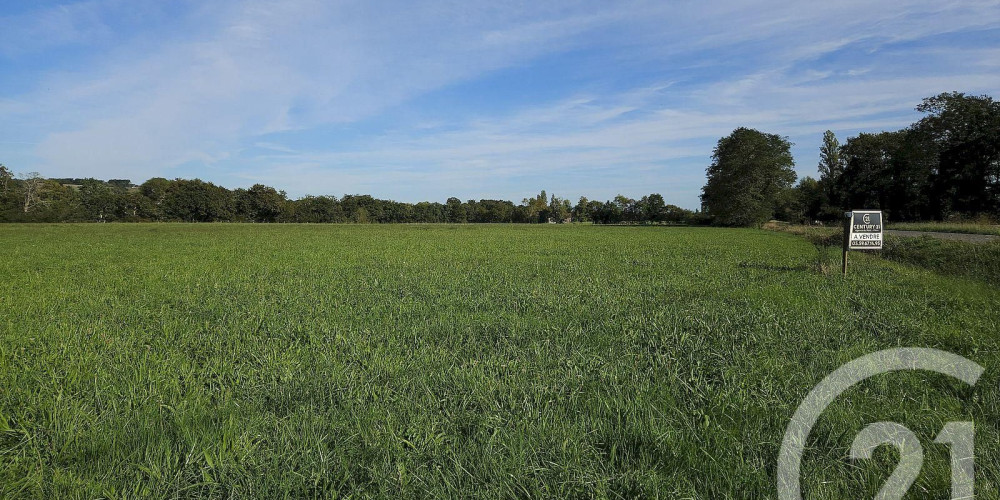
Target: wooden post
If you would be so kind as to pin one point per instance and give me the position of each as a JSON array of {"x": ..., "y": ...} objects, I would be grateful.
[{"x": 848, "y": 216}]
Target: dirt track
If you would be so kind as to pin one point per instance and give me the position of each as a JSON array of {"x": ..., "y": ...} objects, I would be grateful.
[{"x": 972, "y": 238}]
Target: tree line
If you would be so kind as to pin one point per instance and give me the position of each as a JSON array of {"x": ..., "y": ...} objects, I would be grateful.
[
  {"x": 945, "y": 165},
  {"x": 32, "y": 198}
]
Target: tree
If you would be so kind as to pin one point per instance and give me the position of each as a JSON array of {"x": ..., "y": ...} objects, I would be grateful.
[
  {"x": 361, "y": 216},
  {"x": 608, "y": 213},
  {"x": 318, "y": 209},
  {"x": 594, "y": 211},
  {"x": 9, "y": 200},
  {"x": 911, "y": 169},
  {"x": 490, "y": 211},
  {"x": 121, "y": 185},
  {"x": 749, "y": 170},
  {"x": 5, "y": 179},
  {"x": 626, "y": 209},
  {"x": 57, "y": 203},
  {"x": 537, "y": 208},
  {"x": 31, "y": 185},
  {"x": 98, "y": 201},
  {"x": 830, "y": 165},
  {"x": 260, "y": 203},
  {"x": 456, "y": 211},
  {"x": 675, "y": 214},
  {"x": 581, "y": 212},
  {"x": 652, "y": 208},
  {"x": 133, "y": 206},
  {"x": 810, "y": 199},
  {"x": 197, "y": 201},
  {"x": 965, "y": 134},
  {"x": 868, "y": 172},
  {"x": 425, "y": 211},
  {"x": 559, "y": 209},
  {"x": 154, "y": 190}
]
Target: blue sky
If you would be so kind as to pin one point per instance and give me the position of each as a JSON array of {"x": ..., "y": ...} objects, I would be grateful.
[{"x": 475, "y": 99}]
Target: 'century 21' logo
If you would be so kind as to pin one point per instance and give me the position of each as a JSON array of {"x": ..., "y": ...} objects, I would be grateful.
[
  {"x": 867, "y": 218},
  {"x": 958, "y": 435}
]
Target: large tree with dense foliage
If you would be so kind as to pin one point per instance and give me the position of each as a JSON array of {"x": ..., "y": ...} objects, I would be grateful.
[
  {"x": 197, "y": 201},
  {"x": 318, "y": 209},
  {"x": 455, "y": 210},
  {"x": 559, "y": 209},
  {"x": 946, "y": 164},
  {"x": 260, "y": 203},
  {"x": 964, "y": 132},
  {"x": 99, "y": 201},
  {"x": 537, "y": 208},
  {"x": 868, "y": 159},
  {"x": 651, "y": 208},
  {"x": 749, "y": 172},
  {"x": 485, "y": 211},
  {"x": 155, "y": 191}
]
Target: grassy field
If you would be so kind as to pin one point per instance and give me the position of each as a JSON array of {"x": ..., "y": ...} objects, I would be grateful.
[
  {"x": 947, "y": 227},
  {"x": 975, "y": 260},
  {"x": 979, "y": 261},
  {"x": 267, "y": 361}
]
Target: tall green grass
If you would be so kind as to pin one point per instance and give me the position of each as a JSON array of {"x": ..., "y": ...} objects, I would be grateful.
[
  {"x": 974, "y": 260},
  {"x": 257, "y": 361},
  {"x": 948, "y": 227}
]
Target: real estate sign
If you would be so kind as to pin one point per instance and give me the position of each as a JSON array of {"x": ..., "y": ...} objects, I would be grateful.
[{"x": 866, "y": 230}]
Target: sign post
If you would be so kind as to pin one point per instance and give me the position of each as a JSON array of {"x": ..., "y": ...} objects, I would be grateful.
[
  {"x": 847, "y": 239},
  {"x": 862, "y": 231}
]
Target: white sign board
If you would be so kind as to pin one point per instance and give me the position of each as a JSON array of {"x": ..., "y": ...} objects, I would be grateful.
[{"x": 866, "y": 230}]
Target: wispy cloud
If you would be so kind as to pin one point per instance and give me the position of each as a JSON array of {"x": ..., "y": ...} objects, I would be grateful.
[{"x": 329, "y": 97}]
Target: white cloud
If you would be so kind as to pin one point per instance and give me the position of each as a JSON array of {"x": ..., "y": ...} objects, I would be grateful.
[
  {"x": 262, "y": 67},
  {"x": 598, "y": 150},
  {"x": 234, "y": 73}
]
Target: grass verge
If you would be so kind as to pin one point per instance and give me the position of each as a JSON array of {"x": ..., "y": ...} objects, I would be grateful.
[
  {"x": 980, "y": 261},
  {"x": 947, "y": 227},
  {"x": 974, "y": 260}
]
